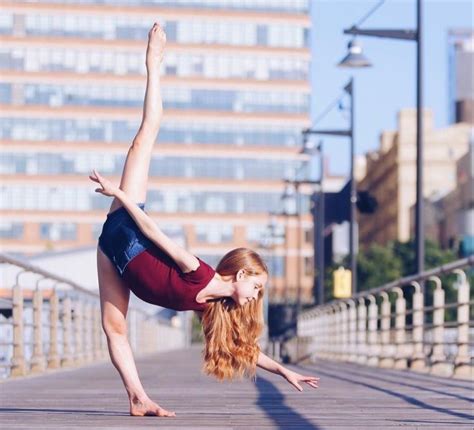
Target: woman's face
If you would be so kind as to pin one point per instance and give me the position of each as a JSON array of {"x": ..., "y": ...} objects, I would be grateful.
[{"x": 247, "y": 286}]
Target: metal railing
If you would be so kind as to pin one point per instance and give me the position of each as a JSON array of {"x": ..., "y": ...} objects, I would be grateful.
[
  {"x": 375, "y": 327},
  {"x": 60, "y": 326}
]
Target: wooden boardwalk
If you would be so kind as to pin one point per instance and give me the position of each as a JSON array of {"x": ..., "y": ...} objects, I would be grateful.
[{"x": 349, "y": 397}]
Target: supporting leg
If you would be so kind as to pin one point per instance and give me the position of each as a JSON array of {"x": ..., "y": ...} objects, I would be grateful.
[{"x": 114, "y": 298}]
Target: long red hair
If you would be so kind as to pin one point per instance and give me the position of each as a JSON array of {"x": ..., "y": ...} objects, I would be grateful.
[{"x": 231, "y": 331}]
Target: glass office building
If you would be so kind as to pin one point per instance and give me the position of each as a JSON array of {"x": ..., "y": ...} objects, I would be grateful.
[{"x": 236, "y": 96}]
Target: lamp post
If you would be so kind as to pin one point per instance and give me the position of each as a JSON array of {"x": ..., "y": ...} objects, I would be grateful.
[
  {"x": 272, "y": 227},
  {"x": 296, "y": 183},
  {"x": 318, "y": 223},
  {"x": 287, "y": 197},
  {"x": 351, "y": 60},
  {"x": 349, "y": 89}
]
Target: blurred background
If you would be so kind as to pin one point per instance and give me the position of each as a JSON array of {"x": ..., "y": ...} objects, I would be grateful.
[{"x": 270, "y": 139}]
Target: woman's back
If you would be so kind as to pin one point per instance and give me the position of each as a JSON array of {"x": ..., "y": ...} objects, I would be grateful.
[{"x": 154, "y": 277}]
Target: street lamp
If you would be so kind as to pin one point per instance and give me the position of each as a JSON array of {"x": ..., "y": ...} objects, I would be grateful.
[
  {"x": 318, "y": 222},
  {"x": 296, "y": 184},
  {"x": 355, "y": 57},
  {"x": 272, "y": 236},
  {"x": 289, "y": 196},
  {"x": 350, "y": 61},
  {"x": 349, "y": 89}
]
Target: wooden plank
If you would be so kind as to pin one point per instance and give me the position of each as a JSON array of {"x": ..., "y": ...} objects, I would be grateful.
[{"x": 349, "y": 397}]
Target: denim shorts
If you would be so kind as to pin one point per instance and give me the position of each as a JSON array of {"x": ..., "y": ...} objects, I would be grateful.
[{"x": 121, "y": 239}]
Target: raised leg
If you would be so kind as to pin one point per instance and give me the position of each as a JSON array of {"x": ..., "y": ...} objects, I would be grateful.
[
  {"x": 134, "y": 180},
  {"x": 114, "y": 298}
]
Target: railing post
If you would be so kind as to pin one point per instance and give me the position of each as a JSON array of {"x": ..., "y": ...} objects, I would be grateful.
[
  {"x": 53, "y": 356},
  {"x": 18, "y": 367},
  {"x": 418, "y": 361},
  {"x": 98, "y": 353},
  {"x": 38, "y": 362},
  {"x": 314, "y": 329},
  {"x": 336, "y": 352},
  {"x": 104, "y": 347},
  {"x": 386, "y": 349},
  {"x": 88, "y": 345},
  {"x": 332, "y": 321},
  {"x": 79, "y": 332},
  {"x": 462, "y": 361},
  {"x": 373, "y": 353},
  {"x": 439, "y": 366},
  {"x": 344, "y": 332},
  {"x": 340, "y": 345},
  {"x": 327, "y": 333},
  {"x": 400, "y": 330},
  {"x": 362, "y": 332},
  {"x": 66, "y": 360},
  {"x": 352, "y": 331}
]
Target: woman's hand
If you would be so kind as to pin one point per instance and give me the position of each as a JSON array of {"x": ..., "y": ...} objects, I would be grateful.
[
  {"x": 108, "y": 189},
  {"x": 295, "y": 378}
]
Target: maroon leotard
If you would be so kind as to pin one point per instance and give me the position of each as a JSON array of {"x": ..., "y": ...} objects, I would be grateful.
[{"x": 154, "y": 277}]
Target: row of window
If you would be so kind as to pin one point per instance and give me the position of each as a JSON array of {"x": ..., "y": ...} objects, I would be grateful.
[
  {"x": 171, "y": 200},
  {"x": 41, "y": 163},
  {"x": 275, "y": 263},
  {"x": 300, "y": 6},
  {"x": 206, "y": 233},
  {"x": 177, "y": 98},
  {"x": 184, "y": 31},
  {"x": 72, "y": 130},
  {"x": 219, "y": 65}
]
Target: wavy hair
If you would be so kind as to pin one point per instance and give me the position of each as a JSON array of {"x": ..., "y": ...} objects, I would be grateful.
[{"x": 231, "y": 331}]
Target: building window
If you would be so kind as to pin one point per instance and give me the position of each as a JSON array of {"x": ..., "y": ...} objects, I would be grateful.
[
  {"x": 211, "y": 233},
  {"x": 11, "y": 230},
  {"x": 308, "y": 266},
  {"x": 308, "y": 235},
  {"x": 58, "y": 231}
]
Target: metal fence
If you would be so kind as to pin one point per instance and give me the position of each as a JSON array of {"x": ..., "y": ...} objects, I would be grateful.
[
  {"x": 377, "y": 328},
  {"x": 49, "y": 322}
]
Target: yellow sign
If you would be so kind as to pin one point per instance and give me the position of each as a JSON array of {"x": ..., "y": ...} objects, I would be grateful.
[{"x": 342, "y": 283}]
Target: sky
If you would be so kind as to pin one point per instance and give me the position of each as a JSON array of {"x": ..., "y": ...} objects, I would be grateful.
[{"x": 382, "y": 90}]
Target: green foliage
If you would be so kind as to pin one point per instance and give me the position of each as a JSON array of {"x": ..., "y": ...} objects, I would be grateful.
[{"x": 379, "y": 265}]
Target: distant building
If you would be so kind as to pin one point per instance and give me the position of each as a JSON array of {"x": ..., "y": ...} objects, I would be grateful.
[
  {"x": 236, "y": 94},
  {"x": 450, "y": 218},
  {"x": 461, "y": 72},
  {"x": 391, "y": 174}
]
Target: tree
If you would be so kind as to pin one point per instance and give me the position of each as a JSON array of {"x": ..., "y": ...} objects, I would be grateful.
[{"x": 378, "y": 265}]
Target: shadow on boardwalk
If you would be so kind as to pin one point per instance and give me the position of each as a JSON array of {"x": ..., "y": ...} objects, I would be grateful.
[
  {"x": 272, "y": 402},
  {"x": 349, "y": 397}
]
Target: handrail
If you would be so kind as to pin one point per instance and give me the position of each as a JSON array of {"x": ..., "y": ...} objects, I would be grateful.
[
  {"x": 439, "y": 270},
  {"x": 66, "y": 328},
  {"x": 8, "y": 259},
  {"x": 371, "y": 332}
]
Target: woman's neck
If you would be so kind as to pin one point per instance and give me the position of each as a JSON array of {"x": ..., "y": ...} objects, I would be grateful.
[{"x": 217, "y": 287}]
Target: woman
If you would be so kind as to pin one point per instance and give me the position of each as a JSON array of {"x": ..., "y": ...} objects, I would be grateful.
[{"x": 134, "y": 254}]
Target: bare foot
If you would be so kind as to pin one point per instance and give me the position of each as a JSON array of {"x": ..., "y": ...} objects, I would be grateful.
[
  {"x": 147, "y": 407},
  {"x": 156, "y": 46}
]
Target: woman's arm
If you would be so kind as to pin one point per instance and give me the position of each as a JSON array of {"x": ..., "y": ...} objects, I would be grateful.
[
  {"x": 183, "y": 258},
  {"x": 293, "y": 378},
  {"x": 269, "y": 365}
]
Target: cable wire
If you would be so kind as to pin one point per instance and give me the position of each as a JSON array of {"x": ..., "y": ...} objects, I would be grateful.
[
  {"x": 371, "y": 11},
  {"x": 328, "y": 109}
]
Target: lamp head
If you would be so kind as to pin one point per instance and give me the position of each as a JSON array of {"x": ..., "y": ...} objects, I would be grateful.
[{"x": 355, "y": 57}]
